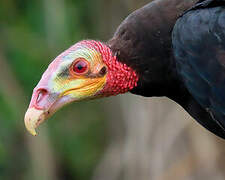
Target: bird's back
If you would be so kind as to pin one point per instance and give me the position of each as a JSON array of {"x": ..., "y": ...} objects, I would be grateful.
[{"x": 199, "y": 49}]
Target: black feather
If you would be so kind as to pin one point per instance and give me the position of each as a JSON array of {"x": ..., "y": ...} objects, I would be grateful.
[
  {"x": 144, "y": 42},
  {"x": 199, "y": 49}
]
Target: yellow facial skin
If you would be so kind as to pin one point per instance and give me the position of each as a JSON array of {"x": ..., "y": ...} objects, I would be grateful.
[
  {"x": 84, "y": 88},
  {"x": 79, "y": 86},
  {"x": 64, "y": 86}
]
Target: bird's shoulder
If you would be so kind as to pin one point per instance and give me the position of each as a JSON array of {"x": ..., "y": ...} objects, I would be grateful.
[
  {"x": 146, "y": 32},
  {"x": 199, "y": 49},
  {"x": 201, "y": 4},
  {"x": 143, "y": 42}
]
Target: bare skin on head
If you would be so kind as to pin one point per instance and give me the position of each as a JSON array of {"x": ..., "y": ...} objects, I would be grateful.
[{"x": 86, "y": 70}]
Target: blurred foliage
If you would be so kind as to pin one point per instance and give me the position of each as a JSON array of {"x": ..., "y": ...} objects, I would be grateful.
[
  {"x": 142, "y": 140},
  {"x": 32, "y": 33}
]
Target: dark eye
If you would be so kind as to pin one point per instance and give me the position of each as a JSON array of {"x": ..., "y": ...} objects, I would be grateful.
[
  {"x": 103, "y": 71},
  {"x": 80, "y": 66}
]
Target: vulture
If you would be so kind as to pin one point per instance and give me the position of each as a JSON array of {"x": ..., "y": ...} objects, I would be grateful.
[{"x": 171, "y": 48}]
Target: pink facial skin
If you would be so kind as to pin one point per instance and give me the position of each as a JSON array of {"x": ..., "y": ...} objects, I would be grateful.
[{"x": 47, "y": 99}]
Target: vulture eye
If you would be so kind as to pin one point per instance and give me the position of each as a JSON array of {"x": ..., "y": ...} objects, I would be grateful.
[{"x": 80, "y": 66}]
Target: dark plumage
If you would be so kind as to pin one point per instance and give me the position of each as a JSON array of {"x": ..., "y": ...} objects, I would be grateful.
[
  {"x": 140, "y": 59},
  {"x": 144, "y": 41},
  {"x": 199, "y": 48}
]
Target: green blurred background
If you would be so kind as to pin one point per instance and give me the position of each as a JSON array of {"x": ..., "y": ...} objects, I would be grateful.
[
  {"x": 126, "y": 137},
  {"x": 32, "y": 33}
]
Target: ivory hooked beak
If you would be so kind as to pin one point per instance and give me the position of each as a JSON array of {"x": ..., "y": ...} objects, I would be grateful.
[{"x": 33, "y": 118}]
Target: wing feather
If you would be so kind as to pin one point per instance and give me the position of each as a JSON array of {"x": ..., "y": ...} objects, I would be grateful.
[{"x": 199, "y": 50}]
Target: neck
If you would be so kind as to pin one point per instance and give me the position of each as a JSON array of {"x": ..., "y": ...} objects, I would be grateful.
[{"x": 150, "y": 54}]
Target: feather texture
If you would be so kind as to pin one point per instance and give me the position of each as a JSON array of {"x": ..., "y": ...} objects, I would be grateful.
[{"x": 199, "y": 49}]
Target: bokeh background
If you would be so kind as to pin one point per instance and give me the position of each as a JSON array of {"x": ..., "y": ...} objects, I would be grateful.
[{"x": 120, "y": 138}]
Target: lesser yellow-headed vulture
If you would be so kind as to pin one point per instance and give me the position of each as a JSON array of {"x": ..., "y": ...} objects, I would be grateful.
[{"x": 172, "y": 48}]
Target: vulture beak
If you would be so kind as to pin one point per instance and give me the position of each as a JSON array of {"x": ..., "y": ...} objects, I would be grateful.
[
  {"x": 72, "y": 76},
  {"x": 33, "y": 118},
  {"x": 43, "y": 105},
  {"x": 86, "y": 70}
]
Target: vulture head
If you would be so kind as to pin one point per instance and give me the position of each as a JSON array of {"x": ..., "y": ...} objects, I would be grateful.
[
  {"x": 87, "y": 70},
  {"x": 157, "y": 55}
]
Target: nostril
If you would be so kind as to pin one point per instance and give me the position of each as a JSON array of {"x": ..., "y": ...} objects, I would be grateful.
[{"x": 41, "y": 94}]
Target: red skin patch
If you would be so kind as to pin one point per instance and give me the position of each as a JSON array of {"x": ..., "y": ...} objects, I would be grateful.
[{"x": 120, "y": 77}]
